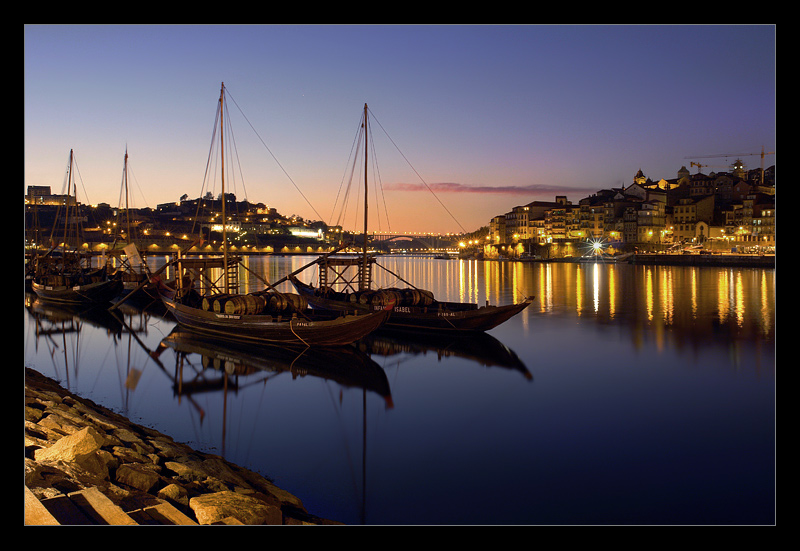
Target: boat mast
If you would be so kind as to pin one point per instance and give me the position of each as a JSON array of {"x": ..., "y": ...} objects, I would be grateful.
[
  {"x": 127, "y": 212},
  {"x": 66, "y": 218},
  {"x": 222, "y": 167},
  {"x": 363, "y": 283}
]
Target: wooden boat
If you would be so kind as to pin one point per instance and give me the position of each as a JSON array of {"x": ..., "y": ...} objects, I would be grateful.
[
  {"x": 414, "y": 308},
  {"x": 81, "y": 289},
  {"x": 302, "y": 328},
  {"x": 132, "y": 268},
  {"x": 246, "y": 317},
  {"x": 410, "y": 314},
  {"x": 67, "y": 275}
]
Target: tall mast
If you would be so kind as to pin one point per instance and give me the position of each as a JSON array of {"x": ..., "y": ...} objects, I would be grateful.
[
  {"x": 364, "y": 283},
  {"x": 222, "y": 167},
  {"x": 69, "y": 184},
  {"x": 127, "y": 212}
]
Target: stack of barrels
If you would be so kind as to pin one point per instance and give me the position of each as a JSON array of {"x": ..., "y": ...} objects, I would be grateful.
[
  {"x": 273, "y": 303},
  {"x": 400, "y": 297}
]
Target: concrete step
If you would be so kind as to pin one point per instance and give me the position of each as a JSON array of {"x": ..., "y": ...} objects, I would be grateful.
[
  {"x": 37, "y": 514},
  {"x": 91, "y": 507}
]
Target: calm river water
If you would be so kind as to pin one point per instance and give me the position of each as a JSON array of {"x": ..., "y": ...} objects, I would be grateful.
[{"x": 623, "y": 395}]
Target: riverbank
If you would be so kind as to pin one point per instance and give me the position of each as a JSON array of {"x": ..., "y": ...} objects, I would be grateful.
[{"x": 77, "y": 451}]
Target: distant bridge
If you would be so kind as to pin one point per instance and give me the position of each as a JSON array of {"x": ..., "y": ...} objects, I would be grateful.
[{"x": 430, "y": 241}]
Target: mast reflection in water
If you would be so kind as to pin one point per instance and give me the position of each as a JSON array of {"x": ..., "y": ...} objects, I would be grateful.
[{"x": 622, "y": 395}]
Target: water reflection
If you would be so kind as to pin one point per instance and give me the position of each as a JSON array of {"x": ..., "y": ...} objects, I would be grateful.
[
  {"x": 204, "y": 365},
  {"x": 686, "y": 299},
  {"x": 231, "y": 361},
  {"x": 691, "y": 302},
  {"x": 480, "y": 348},
  {"x": 667, "y": 295},
  {"x": 553, "y": 404},
  {"x": 80, "y": 341},
  {"x": 223, "y": 390}
]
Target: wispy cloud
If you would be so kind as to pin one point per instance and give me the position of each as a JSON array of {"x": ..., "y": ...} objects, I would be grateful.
[{"x": 451, "y": 187}]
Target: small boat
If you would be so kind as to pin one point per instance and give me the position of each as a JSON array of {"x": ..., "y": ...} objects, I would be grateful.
[
  {"x": 413, "y": 308},
  {"x": 132, "y": 268},
  {"x": 67, "y": 275},
  {"x": 266, "y": 316},
  {"x": 79, "y": 288}
]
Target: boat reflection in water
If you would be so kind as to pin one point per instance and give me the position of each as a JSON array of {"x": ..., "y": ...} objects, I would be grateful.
[
  {"x": 70, "y": 332},
  {"x": 480, "y": 348},
  {"x": 654, "y": 401},
  {"x": 223, "y": 362},
  {"x": 56, "y": 318},
  {"x": 228, "y": 368}
]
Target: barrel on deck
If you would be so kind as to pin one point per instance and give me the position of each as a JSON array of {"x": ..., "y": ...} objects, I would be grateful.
[
  {"x": 285, "y": 302},
  {"x": 385, "y": 298},
  {"x": 245, "y": 304},
  {"x": 215, "y": 303},
  {"x": 416, "y": 297}
]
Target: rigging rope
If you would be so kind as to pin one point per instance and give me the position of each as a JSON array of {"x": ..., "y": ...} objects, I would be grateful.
[
  {"x": 354, "y": 148},
  {"x": 420, "y": 177},
  {"x": 274, "y": 158},
  {"x": 208, "y": 163},
  {"x": 378, "y": 186}
]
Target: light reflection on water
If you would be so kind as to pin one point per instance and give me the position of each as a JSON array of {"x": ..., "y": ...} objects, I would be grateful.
[{"x": 623, "y": 394}]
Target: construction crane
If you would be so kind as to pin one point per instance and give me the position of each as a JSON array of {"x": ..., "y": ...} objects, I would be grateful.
[
  {"x": 700, "y": 166},
  {"x": 737, "y": 155}
]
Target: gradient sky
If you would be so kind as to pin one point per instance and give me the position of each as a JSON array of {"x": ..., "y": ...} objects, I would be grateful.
[{"x": 489, "y": 117}]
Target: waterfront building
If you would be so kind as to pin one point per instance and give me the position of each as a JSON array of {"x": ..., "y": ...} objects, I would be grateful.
[
  {"x": 592, "y": 217},
  {"x": 730, "y": 209},
  {"x": 497, "y": 229},
  {"x": 687, "y": 214},
  {"x": 41, "y": 195}
]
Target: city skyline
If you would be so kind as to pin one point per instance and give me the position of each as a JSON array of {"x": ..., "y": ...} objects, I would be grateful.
[{"x": 489, "y": 117}]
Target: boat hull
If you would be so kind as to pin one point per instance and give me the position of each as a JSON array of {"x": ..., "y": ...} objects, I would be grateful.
[
  {"x": 440, "y": 316},
  {"x": 92, "y": 293},
  {"x": 259, "y": 328}
]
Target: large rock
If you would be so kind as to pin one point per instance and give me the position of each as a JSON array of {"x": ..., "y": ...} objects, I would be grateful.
[
  {"x": 73, "y": 447},
  {"x": 174, "y": 493},
  {"x": 217, "y": 507},
  {"x": 138, "y": 475}
]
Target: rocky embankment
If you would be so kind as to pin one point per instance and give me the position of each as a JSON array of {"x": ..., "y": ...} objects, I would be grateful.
[{"x": 77, "y": 452}]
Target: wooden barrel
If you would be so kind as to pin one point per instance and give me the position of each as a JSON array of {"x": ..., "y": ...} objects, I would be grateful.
[
  {"x": 426, "y": 297},
  {"x": 277, "y": 302},
  {"x": 296, "y": 302},
  {"x": 385, "y": 297},
  {"x": 208, "y": 302},
  {"x": 245, "y": 305},
  {"x": 218, "y": 302},
  {"x": 286, "y": 302},
  {"x": 411, "y": 297}
]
